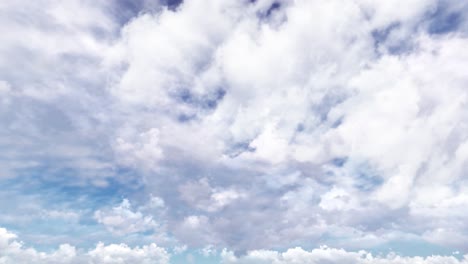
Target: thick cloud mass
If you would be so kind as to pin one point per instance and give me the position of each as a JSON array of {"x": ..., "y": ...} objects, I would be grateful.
[{"x": 246, "y": 125}]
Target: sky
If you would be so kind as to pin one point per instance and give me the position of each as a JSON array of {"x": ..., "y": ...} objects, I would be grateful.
[{"x": 234, "y": 131}]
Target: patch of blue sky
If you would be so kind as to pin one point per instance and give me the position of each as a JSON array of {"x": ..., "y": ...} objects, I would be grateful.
[
  {"x": 380, "y": 35},
  {"x": 268, "y": 11},
  {"x": 273, "y": 7},
  {"x": 34, "y": 192},
  {"x": 339, "y": 161},
  {"x": 184, "y": 118},
  {"x": 322, "y": 110},
  {"x": 384, "y": 43},
  {"x": 446, "y": 18},
  {"x": 172, "y": 4},
  {"x": 112, "y": 193},
  {"x": 238, "y": 148},
  {"x": 367, "y": 181},
  {"x": 365, "y": 177},
  {"x": 125, "y": 10},
  {"x": 337, "y": 123},
  {"x": 198, "y": 103},
  {"x": 209, "y": 101}
]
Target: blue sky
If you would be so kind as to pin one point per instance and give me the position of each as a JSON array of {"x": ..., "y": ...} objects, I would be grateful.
[{"x": 204, "y": 131}]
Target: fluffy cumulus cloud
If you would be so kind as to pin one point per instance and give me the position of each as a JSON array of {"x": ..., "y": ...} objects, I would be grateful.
[
  {"x": 122, "y": 220},
  {"x": 13, "y": 251},
  {"x": 330, "y": 255},
  {"x": 241, "y": 124}
]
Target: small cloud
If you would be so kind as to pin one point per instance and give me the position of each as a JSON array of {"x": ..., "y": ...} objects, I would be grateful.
[{"x": 122, "y": 220}]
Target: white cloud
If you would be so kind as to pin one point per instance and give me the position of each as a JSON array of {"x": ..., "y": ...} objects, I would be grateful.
[
  {"x": 403, "y": 118},
  {"x": 60, "y": 214},
  {"x": 13, "y": 251},
  {"x": 56, "y": 36},
  {"x": 196, "y": 231},
  {"x": 123, "y": 254},
  {"x": 164, "y": 51},
  {"x": 144, "y": 150},
  {"x": 179, "y": 249},
  {"x": 337, "y": 199},
  {"x": 208, "y": 251},
  {"x": 122, "y": 220},
  {"x": 331, "y": 256},
  {"x": 211, "y": 199}
]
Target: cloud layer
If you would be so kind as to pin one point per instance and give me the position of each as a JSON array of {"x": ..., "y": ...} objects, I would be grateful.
[
  {"x": 246, "y": 125},
  {"x": 12, "y": 251},
  {"x": 330, "y": 255}
]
